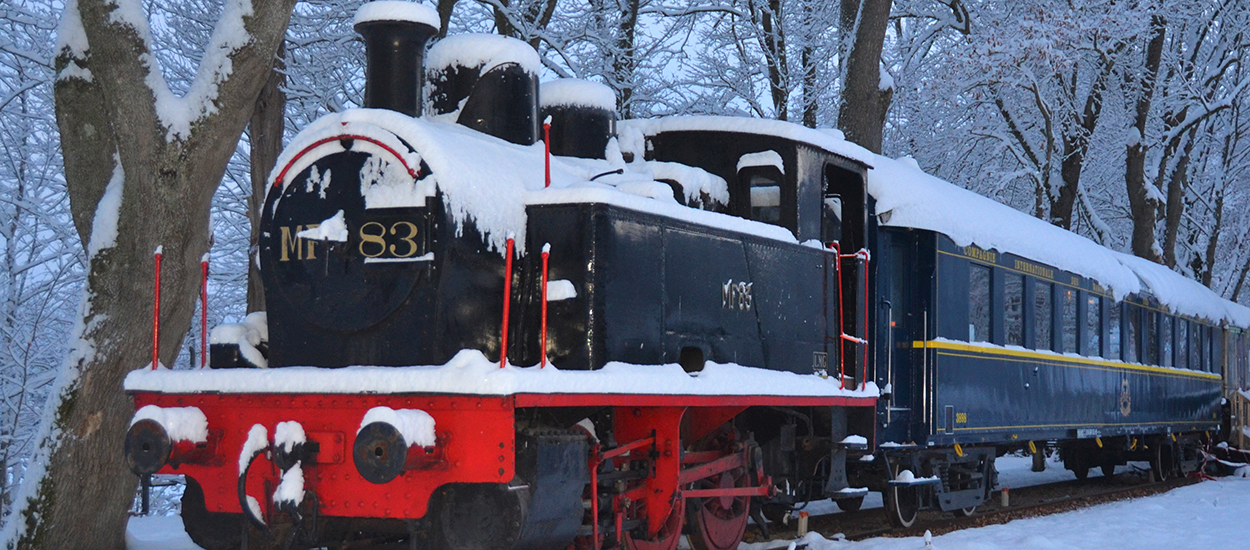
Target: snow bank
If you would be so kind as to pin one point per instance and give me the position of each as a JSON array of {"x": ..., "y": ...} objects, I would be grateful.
[
  {"x": 483, "y": 51},
  {"x": 414, "y": 425},
  {"x": 247, "y": 335},
  {"x": 471, "y": 373},
  {"x": 257, "y": 440},
  {"x": 394, "y": 10},
  {"x": 286, "y": 435},
  {"x": 762, "y": 158},
  {"x": 179, "y": 423},
  {"x": 330, "y": 229},
  {"x": 573, "y": 92},
  {"x": 291, "y": 488},
  {"x": 560, "y": 290},
  {"x": 757, "y": 126}
]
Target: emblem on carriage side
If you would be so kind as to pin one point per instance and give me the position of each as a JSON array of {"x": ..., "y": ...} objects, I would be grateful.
[{"x": 1126, "y": 398}]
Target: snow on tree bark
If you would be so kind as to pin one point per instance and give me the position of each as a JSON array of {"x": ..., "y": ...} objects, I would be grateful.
[{"x": 171, "y": 167}]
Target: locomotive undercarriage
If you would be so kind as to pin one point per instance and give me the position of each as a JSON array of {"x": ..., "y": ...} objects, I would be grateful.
[{"x": 598, "y": 472}]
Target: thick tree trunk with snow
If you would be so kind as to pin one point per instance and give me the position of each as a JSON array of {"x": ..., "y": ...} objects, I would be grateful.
[
  {"x": 1141, "y": 205},
  {"x": 265, "y": 130},
  {"x": 861, "y": 114},
  {"x": 134, "y": 183},
  {"x": 1076, "y": 145}
]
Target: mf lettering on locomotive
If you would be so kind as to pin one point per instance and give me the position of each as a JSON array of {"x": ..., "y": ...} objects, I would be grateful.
[
  {"x": 736, "y": 296},
  {"x": 294, "y": 245}
]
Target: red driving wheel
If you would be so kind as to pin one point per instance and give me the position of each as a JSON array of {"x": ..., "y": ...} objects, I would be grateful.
[
  {"x": 669, "y": 535},
  {"x": 717, "y": 523}
]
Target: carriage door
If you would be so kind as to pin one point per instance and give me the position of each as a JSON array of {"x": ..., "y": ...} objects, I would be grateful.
[
  {"x": 897, "y": 372},
  {"x": 843, "y": 218}
]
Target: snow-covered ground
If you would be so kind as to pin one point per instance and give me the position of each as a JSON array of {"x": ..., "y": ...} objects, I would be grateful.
[{"x": 1211, "y": 514}]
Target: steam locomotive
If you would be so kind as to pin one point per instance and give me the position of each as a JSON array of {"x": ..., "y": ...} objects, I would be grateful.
[{"x": 500, "y": 318}]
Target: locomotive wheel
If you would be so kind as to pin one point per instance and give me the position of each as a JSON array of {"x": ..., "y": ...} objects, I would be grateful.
[
  {"x": 850, "y": 504},
  {"x": 669, "y": 535},
  {"x": 902, "y": 503},
  {"x": 718, "y": 523}
]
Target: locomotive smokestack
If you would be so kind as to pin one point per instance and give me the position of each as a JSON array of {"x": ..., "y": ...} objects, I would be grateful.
[{"x": 395, "y": 35}]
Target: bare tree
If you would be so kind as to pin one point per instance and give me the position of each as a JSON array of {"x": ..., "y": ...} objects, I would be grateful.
[
  {"x": 141, "y": 166},
  {"x": 866, "y": 87}
]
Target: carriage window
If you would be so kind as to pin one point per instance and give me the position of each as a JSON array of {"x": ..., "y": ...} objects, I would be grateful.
[
  {"x": 765, "y": 199},
  {"x": 1013, "y": 288},
  {"x": 1132, "y": 332},
  {"x": 1195, "y": 344},
  {"x": 978, "y": 303},
  {"x": 1093, "y": 326},
  {"x": 1151, "y": 357},
  {"x": 1113, "y": 331},
  {"x": 1206, "y": 348},
  {"x": 1069, "y": 320},
  {"x": 1165, "y": 334},
  {"x": 1042, "y": 315},
  {"x": 1182, "y": 343}
]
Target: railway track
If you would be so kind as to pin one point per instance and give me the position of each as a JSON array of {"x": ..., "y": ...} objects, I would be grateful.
[{"x": 1037, "y": 500}]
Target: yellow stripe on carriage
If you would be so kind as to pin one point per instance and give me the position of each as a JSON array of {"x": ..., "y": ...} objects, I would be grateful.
[{"x": 1056, "y": 358}]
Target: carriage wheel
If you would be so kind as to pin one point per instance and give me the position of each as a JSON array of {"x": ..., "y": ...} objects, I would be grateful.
[
  {"x": 902, "y": 503},
  {"x": 1162, "y": 463},
  {"x": 966, "y": 512},
  {"x": 718, "y": 523},
  {"x": 1108, "y": 471},
  {"x": 1081, "y": 472},
  {"x": 669, "y": 535}
]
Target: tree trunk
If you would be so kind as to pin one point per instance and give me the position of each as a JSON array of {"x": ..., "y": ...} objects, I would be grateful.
[
  {"x": 1142, "y": 207},
  {"x": 861, "y": 115},
  {"x": 159, "y": 187},
  {"x": 1176, "y": 203},
  {"x": 266, "y": 129},
  {"x": 810, "y": 101},
  {"x": 623, "y": 56},
  {"x": 1076, "y": 145},
  {"x": 774, "y": 43}
]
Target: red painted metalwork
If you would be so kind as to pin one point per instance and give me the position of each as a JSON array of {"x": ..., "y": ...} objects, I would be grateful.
[
  {"x": 709, "y": 469},
  {"x": 664, "y": 424},
  {"x": 475, "y": 436},
  {"x": 507, "y": 300},
  {"x": 760, "y": 491},
  {"x": 863, "y": 255},
  {"x": 156, "y": 311},
  {"x": 542, "y": 347},
  {"x": 704, "y": 420},
  {"x": 204, "y": 311},
  {"x": 282, "y": 175},
  {"x": 547, "y": 155}
]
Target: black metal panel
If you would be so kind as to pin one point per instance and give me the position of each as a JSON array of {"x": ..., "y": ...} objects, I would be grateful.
[
  {"x": 553, "y": 465},
  {"x": 580, "y": 131},
  {"x": 502, "y": 102}
]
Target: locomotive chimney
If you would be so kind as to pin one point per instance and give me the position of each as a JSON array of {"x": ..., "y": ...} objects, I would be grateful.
[{"x": 395, "y": 34}]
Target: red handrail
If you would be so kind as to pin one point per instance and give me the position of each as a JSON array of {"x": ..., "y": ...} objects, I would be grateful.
[
  {"x": 542, "y": 349},
  {"x": 204, "y": 310},
  {"x": 507, "y": 301},
  {"x": 156, "y": 310}
]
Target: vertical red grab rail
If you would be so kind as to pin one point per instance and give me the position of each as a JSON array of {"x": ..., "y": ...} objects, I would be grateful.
[
  {"x": 547, "y": 151},
  {"x": 542, "y": 348},
  {"x": 156, "y": 309},
  {"x": 507, "y": 301},
  {"x": 204, "y": 310},
  {"x": 837, "y": 254},
  {"x": 863, "y": 379}
]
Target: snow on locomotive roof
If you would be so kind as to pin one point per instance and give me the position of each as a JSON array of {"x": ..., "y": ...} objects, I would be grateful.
[
  {"x": 908, "y": 197},
  {"x": 470, "y": 372},
  {"x": 757, "y": 126},
  {"x": 397, "y": 10},
  {"x": 484, "y": 51},
  {"x": 574, "y": 92}
]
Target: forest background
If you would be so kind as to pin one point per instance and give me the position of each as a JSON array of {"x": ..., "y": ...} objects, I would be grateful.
[{"x": 1126, "y": 122}]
